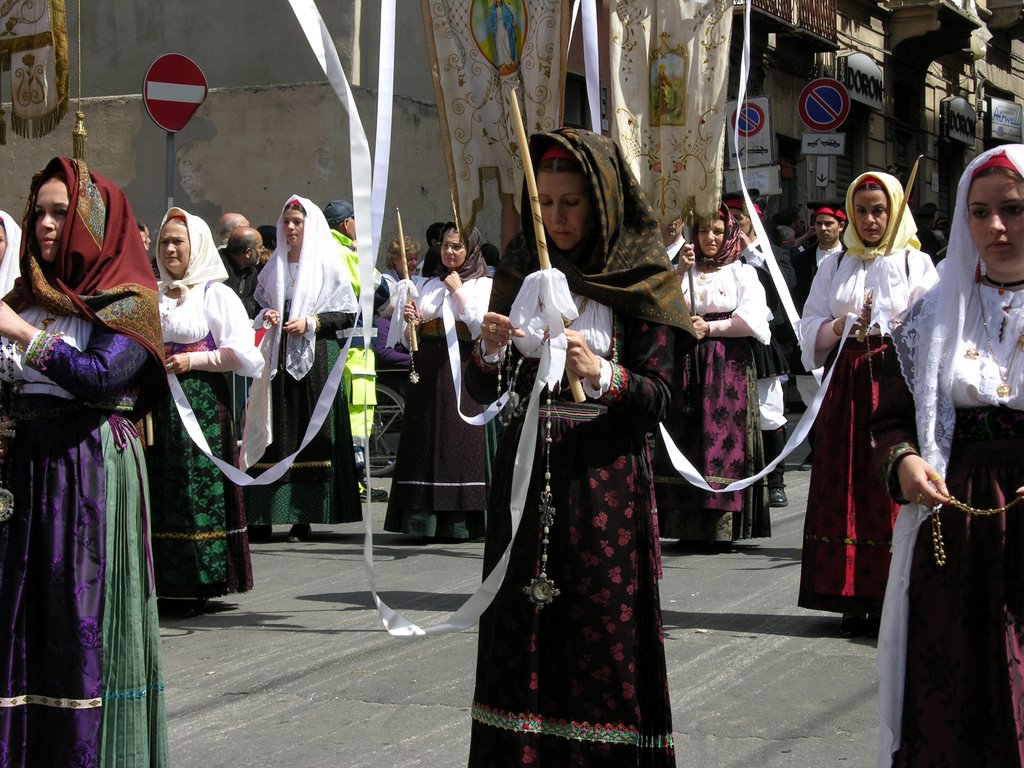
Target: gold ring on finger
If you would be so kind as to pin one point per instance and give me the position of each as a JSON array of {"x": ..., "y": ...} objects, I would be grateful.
[{"x": 492, "y": 328}]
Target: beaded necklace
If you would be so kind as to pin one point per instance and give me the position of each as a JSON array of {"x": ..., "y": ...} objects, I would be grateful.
[{"x": 1003, "y": 390}]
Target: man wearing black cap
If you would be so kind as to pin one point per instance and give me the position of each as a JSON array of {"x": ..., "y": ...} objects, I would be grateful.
[
  {"x": 771, "y": 360},
  {"x": 360, "y": 365},
  {"x": 829, "y": 222}
]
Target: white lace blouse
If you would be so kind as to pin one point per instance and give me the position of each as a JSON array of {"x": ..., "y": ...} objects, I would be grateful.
[
  {"x": 978, "y": 368},
  {"x": 841, "y": 284}
]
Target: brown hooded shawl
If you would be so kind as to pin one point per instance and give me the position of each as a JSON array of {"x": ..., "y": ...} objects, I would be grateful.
[{"x": 622, "y": 263}]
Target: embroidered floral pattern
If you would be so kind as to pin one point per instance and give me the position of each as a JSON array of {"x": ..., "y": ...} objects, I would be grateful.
[
  {"x": 605, "y": 733},
  {"x": 41, "y": 349}
]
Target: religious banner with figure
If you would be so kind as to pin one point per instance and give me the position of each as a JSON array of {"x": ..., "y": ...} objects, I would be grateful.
[
  {"x": 479, "y": 51},
  {"x": 669, "y": 64},
  {"x": 34, "y": 49}
]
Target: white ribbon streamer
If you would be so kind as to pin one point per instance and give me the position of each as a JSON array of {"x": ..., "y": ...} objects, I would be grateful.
[
  {"x": 763, "y": 241},
  {"x": 271, "y": 474},
  {"x": 323, "y": 47},
  {"x": 405, "y": 289},
  {"x": 451, "y": 337},
  {"x": 470, "y": 611},
  {"x": 540, "y": 310},
  {"x": 689, "y": 472}
]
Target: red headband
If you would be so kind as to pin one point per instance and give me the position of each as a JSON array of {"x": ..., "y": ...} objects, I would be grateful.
[
  {"x": 998, "y": 160},
  {"x": 868, "y": 180},
  {"x": 556, "y": 151},
  {"x": 825, "y": 210},
  {"x": 178, "y": 217},
  {"x": 736, "y": 203}
]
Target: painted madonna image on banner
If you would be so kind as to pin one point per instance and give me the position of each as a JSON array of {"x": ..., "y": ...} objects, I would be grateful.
[{"x": 499, "y": 29}]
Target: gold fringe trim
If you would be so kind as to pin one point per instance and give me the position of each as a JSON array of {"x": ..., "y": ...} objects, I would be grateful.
[{"x": 37, "y": 127}]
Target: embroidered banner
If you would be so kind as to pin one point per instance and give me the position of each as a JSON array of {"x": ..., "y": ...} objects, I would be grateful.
[
  {"x": 479, "y": 49},
  {"x": 670, "y": 63},
  {"x": 34, "y": 48}
]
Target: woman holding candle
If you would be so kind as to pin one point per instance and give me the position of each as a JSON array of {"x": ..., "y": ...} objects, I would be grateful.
[
  {"x": 439, "y": 488},
  {"x": 573, "y": 671},
  {"x": 848, "y": 527},
  {"x": 715, "y": 417},
  {"x": 306, "y": 298}
]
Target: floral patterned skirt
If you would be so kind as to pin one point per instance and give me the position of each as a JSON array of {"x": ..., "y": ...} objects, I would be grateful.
[{"x": 581, "y": 682}]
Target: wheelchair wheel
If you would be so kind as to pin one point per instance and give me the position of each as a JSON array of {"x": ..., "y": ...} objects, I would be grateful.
[{"x": 386, "y": 431}]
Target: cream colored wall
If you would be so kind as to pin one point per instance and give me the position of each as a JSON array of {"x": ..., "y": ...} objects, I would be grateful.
[{"x": 249, "y": 146}]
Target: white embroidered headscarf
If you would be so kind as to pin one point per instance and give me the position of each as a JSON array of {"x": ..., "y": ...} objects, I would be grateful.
[
  {"x": 204, "y": 263},
  {"x": 321, "y": 285},
  {"x": 905, "y": 235},
  {"x": 9, "y": 268},
  {"x": 927, "y": 345}
]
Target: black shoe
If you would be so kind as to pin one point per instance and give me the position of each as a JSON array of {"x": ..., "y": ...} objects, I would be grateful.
[
  {"x": 777, "y": 497},
  {"x": 376, "y": 494},
  {"x": 804, "y": 466},
  {"x": 851, "y": 625},
  {"x": 299, "y": 532}
]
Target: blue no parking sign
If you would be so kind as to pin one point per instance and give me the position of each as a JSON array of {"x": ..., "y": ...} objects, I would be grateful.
[
  {"x": 750, "y": 126},
  {"x": 824, "y": 104},
  {"x": 749, "y": 119}
]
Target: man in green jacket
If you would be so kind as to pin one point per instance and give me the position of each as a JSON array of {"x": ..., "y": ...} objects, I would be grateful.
[{"x": 360, "y": 371}]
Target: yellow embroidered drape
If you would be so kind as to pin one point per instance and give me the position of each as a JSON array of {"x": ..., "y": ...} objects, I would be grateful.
[
  {"x": 34, "y": 49},
  {"x": 669, "y": 64},
  {"x": 479, "y": 49}
]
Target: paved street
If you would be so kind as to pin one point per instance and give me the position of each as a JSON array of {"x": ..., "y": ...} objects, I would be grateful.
[{"x": 299, "y": 672}]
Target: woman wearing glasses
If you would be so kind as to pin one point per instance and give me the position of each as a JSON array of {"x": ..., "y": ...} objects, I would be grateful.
[{"x": 439, "y": 487}]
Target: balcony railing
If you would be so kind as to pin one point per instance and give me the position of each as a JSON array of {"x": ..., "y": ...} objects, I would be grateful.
[
  {"x": 812, "y": 19},
  {"x": 819, "y": 18}
]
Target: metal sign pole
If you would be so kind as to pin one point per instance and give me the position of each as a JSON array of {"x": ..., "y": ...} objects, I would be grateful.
[{"x": 169, "y": 179}]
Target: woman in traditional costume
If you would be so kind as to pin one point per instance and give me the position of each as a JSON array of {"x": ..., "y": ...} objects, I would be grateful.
[
  {"x": 10, "y": 251},
  {"x": 949, "y": 429},
  {"x": 307, "y": 298},
  {"x": 571, "y": 659},
  {"x": 715, "y": 418},
  {"x": 439, "y": 489},
  {"x": 79, "y": 638},
  {"x": 848, "y": 526},
  {"x": 200, "y": 545}
]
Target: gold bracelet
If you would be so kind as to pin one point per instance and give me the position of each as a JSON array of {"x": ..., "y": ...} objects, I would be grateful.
[{"x": 316, "y": 323}]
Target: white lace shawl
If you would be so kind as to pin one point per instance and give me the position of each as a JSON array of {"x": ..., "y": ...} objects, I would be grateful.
[
  {"x": 926, "y": 344},
  {"x": 321, "y": 285}
]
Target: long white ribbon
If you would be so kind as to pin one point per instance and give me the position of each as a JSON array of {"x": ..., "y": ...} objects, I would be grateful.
[
  {"x": 323, "y": 47},
  {"x": 451, "y": 337},
  {"x": 591, "y": 60},
  {"x": 271, "y": 474},
  {"x": 763, "y": 241},
  {"x": 689, "y": 472},
  {"x": 471, "y": 610}
]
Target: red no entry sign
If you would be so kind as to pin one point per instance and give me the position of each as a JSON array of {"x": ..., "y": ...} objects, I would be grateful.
[
  {"x": 172, "y": 90},
  {"x": 824, "y": 104},
  {"x": 749, "y": 119}
]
